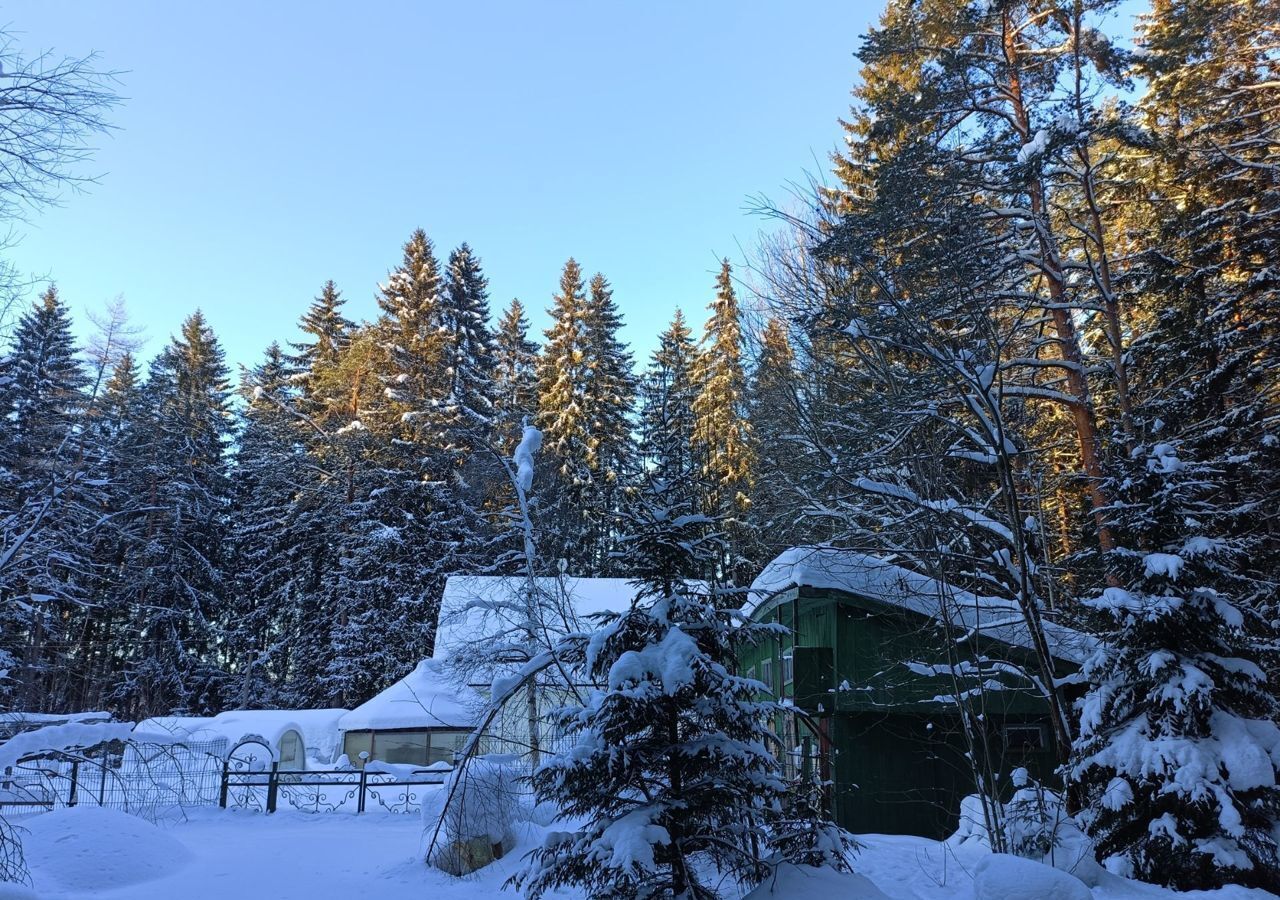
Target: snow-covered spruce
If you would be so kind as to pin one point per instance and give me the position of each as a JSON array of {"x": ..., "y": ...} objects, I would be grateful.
[
  {"x": 1178, "y": 751},
  {"x": 670, "y": 777}
]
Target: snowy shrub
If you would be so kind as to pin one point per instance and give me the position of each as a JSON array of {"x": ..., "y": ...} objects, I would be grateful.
[
  {"x": 1033, "y": 818},
  {"x": 800, "y": 832},
  {"x": 13, "y": 867},
  {"x": 471, "y": 815}
]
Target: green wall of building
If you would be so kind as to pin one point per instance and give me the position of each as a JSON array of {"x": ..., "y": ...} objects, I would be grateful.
[{"x": 888, "y": 724}]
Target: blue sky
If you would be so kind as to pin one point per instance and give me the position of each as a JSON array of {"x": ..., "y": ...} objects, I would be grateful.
[{"x": 265, "y": 147}]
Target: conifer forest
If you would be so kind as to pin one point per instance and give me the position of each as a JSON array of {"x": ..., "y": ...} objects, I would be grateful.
[{"x": 1019, "y": 335}]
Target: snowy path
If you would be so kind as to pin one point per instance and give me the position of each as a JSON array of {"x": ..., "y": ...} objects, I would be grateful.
[{"x": 92, "y": 853}]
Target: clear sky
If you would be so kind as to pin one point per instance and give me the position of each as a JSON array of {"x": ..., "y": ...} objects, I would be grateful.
[{"x": 265, "y": 147}]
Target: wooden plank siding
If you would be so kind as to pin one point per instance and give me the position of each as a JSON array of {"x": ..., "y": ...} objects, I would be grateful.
[{"x": 895, "y": 752}]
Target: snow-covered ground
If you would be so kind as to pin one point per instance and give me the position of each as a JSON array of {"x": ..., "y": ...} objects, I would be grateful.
[{"x": 214, "y": 854}]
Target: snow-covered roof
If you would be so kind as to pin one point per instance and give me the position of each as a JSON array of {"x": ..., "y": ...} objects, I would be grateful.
[
  {"x": 428, "y": 697},
  {"x": 318, "y": 727},
  {"x": 478, "y": 606},
  {"x": 18, "y": 721},
  {"x": 878, "y": 579}
]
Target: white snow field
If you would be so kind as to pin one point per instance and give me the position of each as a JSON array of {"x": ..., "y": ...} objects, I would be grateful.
[{"x": 215, "y": 854}]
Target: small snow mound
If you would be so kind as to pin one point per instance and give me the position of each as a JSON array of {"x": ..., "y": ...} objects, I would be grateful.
[
  {"x": 88, "y": 848},
  {"x": 790, "y": 882},
  {"x": 1004, "y": 877},
  {"x": 9, "y": 891}
]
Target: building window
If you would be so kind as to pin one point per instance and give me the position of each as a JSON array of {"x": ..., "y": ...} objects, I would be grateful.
[
  {"x": 291, "y": 756},
  {"x": 410, "y": 746},
  {"x": 356, "y": 742},
  {"x": 788, "y": 669},
  {"x": 404, "y": 747},
  {"x": 1025, "y": 738},
  {"x": 766, "y": 673},
  {"x": 445, "y": 745}
]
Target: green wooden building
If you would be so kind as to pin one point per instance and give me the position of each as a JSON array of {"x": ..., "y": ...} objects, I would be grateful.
[{"x": 871, "y": 660}]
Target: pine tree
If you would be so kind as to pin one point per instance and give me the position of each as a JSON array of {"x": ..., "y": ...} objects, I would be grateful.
[
  {"x": 1178, "y": 748},
  {"x": 670, "y": 777},
  {"x": 984, "y": 93},
  {"x": 345, "y": 464},
  {"x": 722, "y": 432}
]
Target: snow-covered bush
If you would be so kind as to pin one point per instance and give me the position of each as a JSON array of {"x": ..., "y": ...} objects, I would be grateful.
[
  {"x": 800, "y": 831},
  {"x": 13, "y": 868},
  {"x": 469, "y": 820},
  {"x": 1178, "y": 750},
  {"x": 1033, "y": 824},
  {"x": 1034, "y": 817}
]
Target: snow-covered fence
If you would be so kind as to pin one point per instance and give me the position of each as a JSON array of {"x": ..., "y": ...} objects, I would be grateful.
[
  {"x": 143, "y": 778},
  {"x": 252, "y": 779}
]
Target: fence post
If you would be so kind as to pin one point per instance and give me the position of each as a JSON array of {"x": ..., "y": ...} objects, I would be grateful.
[
  {"x": 226, "y": 776},
  {"x": 360, "y": 801},
  {"x": 75, "y": 777},
  {"x": 102, "y": 782},
  {"x": 273, "y": 786}
]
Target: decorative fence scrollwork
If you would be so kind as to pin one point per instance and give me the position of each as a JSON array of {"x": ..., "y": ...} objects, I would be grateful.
[{"x": 251, "y": 780}]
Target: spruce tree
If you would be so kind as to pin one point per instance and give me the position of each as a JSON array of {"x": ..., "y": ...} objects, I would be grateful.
[
  {"x": 774, "y": 409},
  {"x": 400, "y": 523},
  {"x": 409, "y": 327},
  {"x": 612, "y": 394},
  {"x": 722, "y": 432},
  {"x": 47, "y": 490},
  {"x": 467, "y": 402},
  {"x": 266, "y": 555},
  {"x": 669, "y": 779},
  {"x": 116, "y": 433},
  {"x": 515, "y": 377},
  {"x": 564, "y": 417},
  {"x": 327, "y": 331},
  {"x": 1204, "y": 170},
  {"x": 1178, "y": 758},
  {"x": 173, "y": 578},
  {"x": 667, "y": 394}
]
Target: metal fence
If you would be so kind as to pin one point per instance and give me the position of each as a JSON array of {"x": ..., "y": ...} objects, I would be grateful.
[
  {"x": 252, "y": 779},
  {"x": 158, "y": 780},
  {"x": 139, "y": 778}
]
